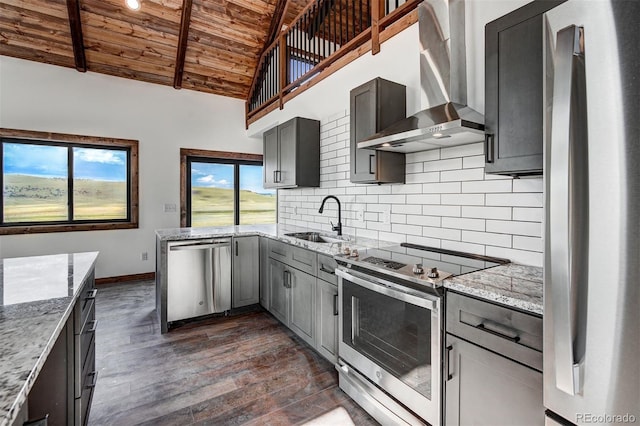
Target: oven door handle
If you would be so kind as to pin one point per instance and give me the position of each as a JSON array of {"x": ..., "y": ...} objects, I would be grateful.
[{"x": 390, "y": 289}]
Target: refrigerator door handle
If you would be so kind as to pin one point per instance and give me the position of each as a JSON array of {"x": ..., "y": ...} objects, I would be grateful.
[{"x": 567, "y": 209}]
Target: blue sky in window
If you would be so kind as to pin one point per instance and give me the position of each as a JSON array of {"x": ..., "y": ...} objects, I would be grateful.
[
  {"x": 51, "y": 161},
  {"x": 217, "y": 175}
]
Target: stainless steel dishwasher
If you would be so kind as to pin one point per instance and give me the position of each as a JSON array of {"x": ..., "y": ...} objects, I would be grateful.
[{"x": 199, "y": 278}]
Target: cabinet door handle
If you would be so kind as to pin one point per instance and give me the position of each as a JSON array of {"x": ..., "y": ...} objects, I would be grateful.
[
  {"x": 236, "y": 248},
  {"x": 94, "y": 326},
  {"x": 371, "y": 157},
  {"x": 335, "y": 304},
  {"x": 449, "y": 375},
  {"x": 499, "y": 330},
  {"x": 94, "y": 381},
  {"x": 488, "y": 147},
  {"x": 287, "y": 279},
  {"x": 328, "y": 271},
  {"x": 275, "y": 178}
]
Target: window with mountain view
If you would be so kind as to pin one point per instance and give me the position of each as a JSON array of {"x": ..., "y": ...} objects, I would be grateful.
[
  {"x": 76, "y": 186},
  {"x": 227, "y": 191}
]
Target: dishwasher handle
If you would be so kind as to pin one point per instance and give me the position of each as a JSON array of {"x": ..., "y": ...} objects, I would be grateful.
[{"x": 201, "y": 246}]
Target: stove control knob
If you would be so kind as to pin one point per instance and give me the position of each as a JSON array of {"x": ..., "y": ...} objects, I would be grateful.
[
  {"x": 417, "y": 269},
  {"x": 433, "y": 273}
]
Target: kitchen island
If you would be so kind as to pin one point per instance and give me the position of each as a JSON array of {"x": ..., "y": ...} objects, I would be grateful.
[{"x": 37, "y": 297}]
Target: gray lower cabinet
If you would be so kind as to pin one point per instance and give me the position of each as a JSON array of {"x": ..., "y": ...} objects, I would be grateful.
[
  {"x": 487, "y": 389},
  {"x": 64, "y": 387},
  {"x": 493, "y": 364},
  {"x": 264, "y": 273},
  {"x": 278, "y": 292},
  {"x": 327, "y": 320},
  {"x": 303, "y": 304},
  {"x": 246, "y": 271}
]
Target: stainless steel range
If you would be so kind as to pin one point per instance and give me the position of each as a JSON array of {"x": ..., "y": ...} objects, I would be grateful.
[{"x": 391, "y": 328}]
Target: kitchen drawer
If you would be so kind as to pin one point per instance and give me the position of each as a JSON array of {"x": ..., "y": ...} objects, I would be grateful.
[
  {"x": 299, "y": 258},
  {"x": 83, "y": 402},
  {"x": 326, "y": 268},
  {"x": 511, "y": 333},
  {"x": 84, "y": 305},
  {"x": 84, "y": 350},
  {"x": 279, "y": 250}
]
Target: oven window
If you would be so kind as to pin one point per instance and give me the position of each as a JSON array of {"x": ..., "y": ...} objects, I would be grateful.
[{"x": 396, "y": 335}]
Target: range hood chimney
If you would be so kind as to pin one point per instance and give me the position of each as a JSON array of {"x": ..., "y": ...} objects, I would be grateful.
[{"x": 447, "y": 121}]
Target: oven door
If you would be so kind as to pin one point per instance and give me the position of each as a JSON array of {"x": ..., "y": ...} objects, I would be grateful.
[{"x": 391, "y": 334}]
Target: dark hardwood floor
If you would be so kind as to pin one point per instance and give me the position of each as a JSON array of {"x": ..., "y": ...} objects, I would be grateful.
[{"x": 243, "y": 369}]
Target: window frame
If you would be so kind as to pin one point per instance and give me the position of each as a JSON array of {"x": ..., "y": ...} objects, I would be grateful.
[
  {"x": 71, "y": 141},
  {"x": 188, "y": 156}
]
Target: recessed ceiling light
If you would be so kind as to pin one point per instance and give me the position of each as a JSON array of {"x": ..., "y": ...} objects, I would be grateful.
[
  {"x": 386, "y": 144},
  {"x": 440, "y": 136},
  {"x": 133, "y": 4}
]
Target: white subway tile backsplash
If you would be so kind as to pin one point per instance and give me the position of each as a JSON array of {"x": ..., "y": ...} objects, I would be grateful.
[
  {"x": 528, "y": 214},
  {"x": 483, "y": 186},
  {"x": 531, "y": 229},
  {"x": 424, "y": 220},
  {"x": 528, "y": 185},
  {"x": 406, "y": 229},
  {"x": 448, "y": 201},
  {"x": 515, "y": 200},
  {"x": 441, "y": 188},
  {"x": 487, "y": 238},
  {"x": 516, "y": 256},
  {"x": 408, "y": 188},
  {"x": 441, "y": 233},
  {"x": 463, "y": 199},
  {"x": 462, "y": 151},
  {"x": 406, "y": 208},
  {"x": 486, "y": 212},
  {"x": 463, "y": 223},
  {"x": 438, "y": 165},
  {"x": 441, "y": 210},
  {"x": 473, "y": 162},
  {"x": 461, "y": 175},
  {"x": 528, "y": 243}
]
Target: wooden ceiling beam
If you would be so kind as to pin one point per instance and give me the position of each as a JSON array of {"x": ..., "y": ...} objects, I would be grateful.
[
  {"x": 183, "y": 39},
  {"x": 73, "y": 8}
]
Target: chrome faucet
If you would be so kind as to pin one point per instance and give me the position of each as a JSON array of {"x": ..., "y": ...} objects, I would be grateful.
[{"x": 337, "y": 227}]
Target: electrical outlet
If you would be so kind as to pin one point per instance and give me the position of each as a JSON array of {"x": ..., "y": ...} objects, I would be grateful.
[
  {"x": 170, "y": 208},
  {"x": 295, "y": 210},
  {"x": 360, "y": 214},
  {"x": 144, "y": 256}
]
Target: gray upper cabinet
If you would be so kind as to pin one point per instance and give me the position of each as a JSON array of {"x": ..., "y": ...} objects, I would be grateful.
[
  {"x": 246, "y": 271},
  {"x": 376, "y": 105},
  {"x": 292, "y": 154},
  {"x": 514, "y": 91}
]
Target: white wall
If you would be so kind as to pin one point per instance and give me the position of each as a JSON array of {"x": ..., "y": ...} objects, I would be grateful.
[
  {"x": 448, "y": 200},
  {"x": 36, "y": 96}
]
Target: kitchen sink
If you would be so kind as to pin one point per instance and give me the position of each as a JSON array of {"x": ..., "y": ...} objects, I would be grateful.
[{"x": 314, "y": 237}]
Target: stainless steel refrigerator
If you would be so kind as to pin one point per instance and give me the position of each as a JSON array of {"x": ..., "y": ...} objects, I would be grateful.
[{"x": 592, "y": 221}]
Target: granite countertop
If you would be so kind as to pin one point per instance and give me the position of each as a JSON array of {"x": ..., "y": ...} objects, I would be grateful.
[
  {"x": 274, "y": 231},
  {"x": 513, "y": 285},
  {"x": 37, "y": 295}
]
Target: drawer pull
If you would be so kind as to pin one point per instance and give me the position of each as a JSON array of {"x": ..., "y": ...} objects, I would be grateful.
[
  {"x": 328, "y": 271},
  {"x": 449, "y": 375},
  {"x": 94, "y": 381},
  {"x": 94, "y": 326},
  {"x": 499, "y": 330},
  {"x": 91, "y": 294},
  {"x": 335, "y": 304}
]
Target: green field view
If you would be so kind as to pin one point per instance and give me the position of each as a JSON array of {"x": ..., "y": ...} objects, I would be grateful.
[
  {"x": 214, "y": 207},
  {"x": 40, "y": 199}
]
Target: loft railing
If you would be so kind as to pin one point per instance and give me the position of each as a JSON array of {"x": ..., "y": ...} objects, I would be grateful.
[{"x": 322, "y": 33}]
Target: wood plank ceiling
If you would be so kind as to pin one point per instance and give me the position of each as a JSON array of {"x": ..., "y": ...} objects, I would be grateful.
[{"x": 221, "y": 39}]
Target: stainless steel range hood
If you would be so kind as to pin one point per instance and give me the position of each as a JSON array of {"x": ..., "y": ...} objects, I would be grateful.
[{"x": 447, "y": 121}]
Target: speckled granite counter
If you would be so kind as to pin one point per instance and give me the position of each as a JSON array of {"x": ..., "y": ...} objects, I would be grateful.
[
  {"x": 277, "y": 232},
  {"x": 37, "y": 295},
  {"x": 513, "y": 285}
]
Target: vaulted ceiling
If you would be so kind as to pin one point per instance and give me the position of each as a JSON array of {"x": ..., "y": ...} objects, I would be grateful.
[{"x": 216, "y": 51}]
